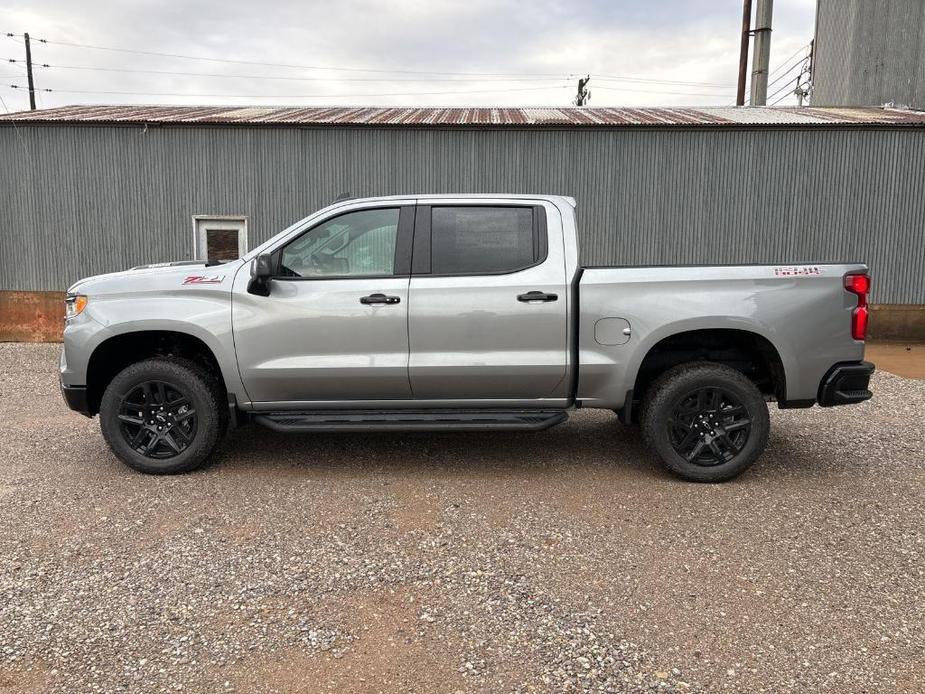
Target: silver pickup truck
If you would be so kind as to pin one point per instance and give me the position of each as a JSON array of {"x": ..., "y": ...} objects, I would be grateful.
[{"x": 457, "y": 312}]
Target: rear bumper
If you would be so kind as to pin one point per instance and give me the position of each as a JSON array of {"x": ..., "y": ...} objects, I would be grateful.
[
  {"x": 76, "y": 399},
  {"x": 846, "y": 384}
]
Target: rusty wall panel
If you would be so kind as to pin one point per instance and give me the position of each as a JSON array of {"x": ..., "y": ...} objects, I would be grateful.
[{"x": 31, "y": 316}]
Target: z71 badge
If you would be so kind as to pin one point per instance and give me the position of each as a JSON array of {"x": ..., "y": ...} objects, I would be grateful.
[
  {"x": 797, "y": 271},
  {"x": 204, "y": 279}
]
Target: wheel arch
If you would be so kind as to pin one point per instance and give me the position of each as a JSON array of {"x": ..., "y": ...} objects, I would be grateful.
[
  {"x": 743, "y": 348},
  {"x": 123, "y": 349}
]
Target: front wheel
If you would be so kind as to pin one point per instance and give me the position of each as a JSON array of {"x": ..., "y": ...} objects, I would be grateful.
[
  {"x": 706, "y": 421},
  {"x": 163, "y": 416}
]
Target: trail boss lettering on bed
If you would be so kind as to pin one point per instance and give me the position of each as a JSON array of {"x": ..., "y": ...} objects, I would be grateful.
[{"x": 797, "y": 271}]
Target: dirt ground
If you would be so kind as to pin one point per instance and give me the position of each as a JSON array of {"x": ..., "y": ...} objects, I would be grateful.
[
  {"x": 555, "y": 561},
  {"x": 905, "y": 359}
]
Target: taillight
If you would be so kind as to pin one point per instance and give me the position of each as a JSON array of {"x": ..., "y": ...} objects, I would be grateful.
[{"x": 860, "y": 286}]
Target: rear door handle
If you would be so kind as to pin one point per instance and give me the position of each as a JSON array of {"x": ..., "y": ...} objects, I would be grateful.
[
  {"x": 380, "y": 299},
  {"x": 537, "y": 296}
]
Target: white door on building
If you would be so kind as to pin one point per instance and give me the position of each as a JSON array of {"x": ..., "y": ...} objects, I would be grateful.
[{"x": 219, "y": 238}]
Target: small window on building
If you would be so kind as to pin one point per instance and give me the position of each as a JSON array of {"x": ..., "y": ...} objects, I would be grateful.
[
  {"x": 219, "y": 238},
  {"x": 477, "y": 240}
]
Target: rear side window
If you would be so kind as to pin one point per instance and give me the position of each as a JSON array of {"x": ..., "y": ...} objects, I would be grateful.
[{"x": 481, "y": 240}]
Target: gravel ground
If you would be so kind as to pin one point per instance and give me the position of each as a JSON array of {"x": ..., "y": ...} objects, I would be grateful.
[{"x": 469, "y": 562}]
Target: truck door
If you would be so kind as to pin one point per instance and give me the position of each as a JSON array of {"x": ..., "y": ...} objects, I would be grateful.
[
  {"x": 487, "y": 314},
  {"x": 335, "y": 324}
]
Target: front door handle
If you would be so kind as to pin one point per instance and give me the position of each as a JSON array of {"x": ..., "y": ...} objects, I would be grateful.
[
  {"x": 379, "y": 299},
  {"x": 537, "y": 296}
]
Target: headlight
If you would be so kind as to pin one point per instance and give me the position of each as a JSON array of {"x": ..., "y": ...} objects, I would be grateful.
[{"x": 74, "y": 305}]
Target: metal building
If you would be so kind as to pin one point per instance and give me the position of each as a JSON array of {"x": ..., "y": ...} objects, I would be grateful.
[
  {"x": 90, "y": 189},
  {"x": 869, "y": 53}
]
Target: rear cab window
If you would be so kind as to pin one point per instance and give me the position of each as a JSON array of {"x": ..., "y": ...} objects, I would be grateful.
[{"x": 479, "y": 239}]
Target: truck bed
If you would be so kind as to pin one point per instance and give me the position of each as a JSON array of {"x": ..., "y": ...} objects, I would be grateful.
[{"x": 802, "y": 310}]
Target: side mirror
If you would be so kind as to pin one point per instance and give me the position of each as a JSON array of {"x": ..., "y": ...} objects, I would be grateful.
[{"x": 261, "y": 272}]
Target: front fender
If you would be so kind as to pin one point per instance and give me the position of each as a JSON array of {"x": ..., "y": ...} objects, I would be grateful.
[{"x": 203, "y": 314}]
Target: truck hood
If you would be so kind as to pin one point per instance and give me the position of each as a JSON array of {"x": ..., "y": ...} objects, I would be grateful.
[{"x": 160, "y": 276}]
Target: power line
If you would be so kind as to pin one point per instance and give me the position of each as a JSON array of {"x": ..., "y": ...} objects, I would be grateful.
[
  {"x": 19, "y": 136},
  {"x": 787, "y": 60},
  {"x": 360, "y": 79},
  {"x": 783, "y": 89},
  {"x": 288, "y": 65},
  {"x": 782, "y": 64},
  {"x": 344, "y": 96},
  {"x": 432, "y": 76},
  {"x": 799, "y": 77},
  {"x": 294, "y": 96},
  {"x": 22, "y": 63},
  {"x": 787, "y": 87},
  {"x": 19, "y": 86},
  {"x": 299, "y": 79},
  {"x": 800, "y": 86},
  {"x": 800, "y": 62},
  {"x": 525, "y": 75}
]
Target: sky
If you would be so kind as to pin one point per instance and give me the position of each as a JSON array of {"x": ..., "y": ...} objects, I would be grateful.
[{"x": 396, "y": 53}]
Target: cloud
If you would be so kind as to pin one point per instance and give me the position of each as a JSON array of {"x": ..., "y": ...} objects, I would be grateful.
[{"x": 668, "y": 40}]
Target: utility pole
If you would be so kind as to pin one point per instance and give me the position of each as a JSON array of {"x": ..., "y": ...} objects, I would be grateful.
[
  {"x": 29, "y": 73},
  {"x": 803, "y": 89},
  {"x": 812, "y": 68},
  {"x": 583, "y": 92},
  {"x": 743, "y": 50},
  {"x": 762, "y": 55}
]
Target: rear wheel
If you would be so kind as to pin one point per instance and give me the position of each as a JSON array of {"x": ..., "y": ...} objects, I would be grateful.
[
  {"x": 163, "y": 416},
  {"x": 706, "y": 421}
]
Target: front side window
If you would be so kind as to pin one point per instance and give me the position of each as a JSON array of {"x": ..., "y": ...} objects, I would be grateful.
[
  {"x": 356, "y": 244},
  {"x": 478, "y": 240}
]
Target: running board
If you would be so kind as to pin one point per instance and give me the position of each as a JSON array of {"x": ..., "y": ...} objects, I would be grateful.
[{"x": 411, "y": 420}]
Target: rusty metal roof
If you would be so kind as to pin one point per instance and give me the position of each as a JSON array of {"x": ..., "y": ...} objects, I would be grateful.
[{"x": 467, "y": 117}]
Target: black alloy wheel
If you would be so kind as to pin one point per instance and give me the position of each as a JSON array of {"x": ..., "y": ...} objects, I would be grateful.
[
  {"x": 706, "y": 421},
  {"x": 164, "y": 415},
  {"x": 709, "y": 426},
  {"x": 157, "y": 419}
]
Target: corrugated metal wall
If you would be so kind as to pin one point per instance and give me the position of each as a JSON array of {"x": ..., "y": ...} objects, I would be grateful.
[
  {"x": 869, "y": 52},
  {"x": 84, "y": 200}
]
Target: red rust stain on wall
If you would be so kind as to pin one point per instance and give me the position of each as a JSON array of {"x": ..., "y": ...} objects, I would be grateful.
[{"x": 31, "y": 316}]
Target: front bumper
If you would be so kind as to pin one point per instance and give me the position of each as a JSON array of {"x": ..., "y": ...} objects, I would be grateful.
[
  {"x": 846, "y": 384},
  {"x": 76, "y": 399}
]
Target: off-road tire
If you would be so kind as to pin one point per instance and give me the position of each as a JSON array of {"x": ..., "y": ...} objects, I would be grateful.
[
  {"x": 204, "y": 393},
  {"x": 671, "y": 389}
]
